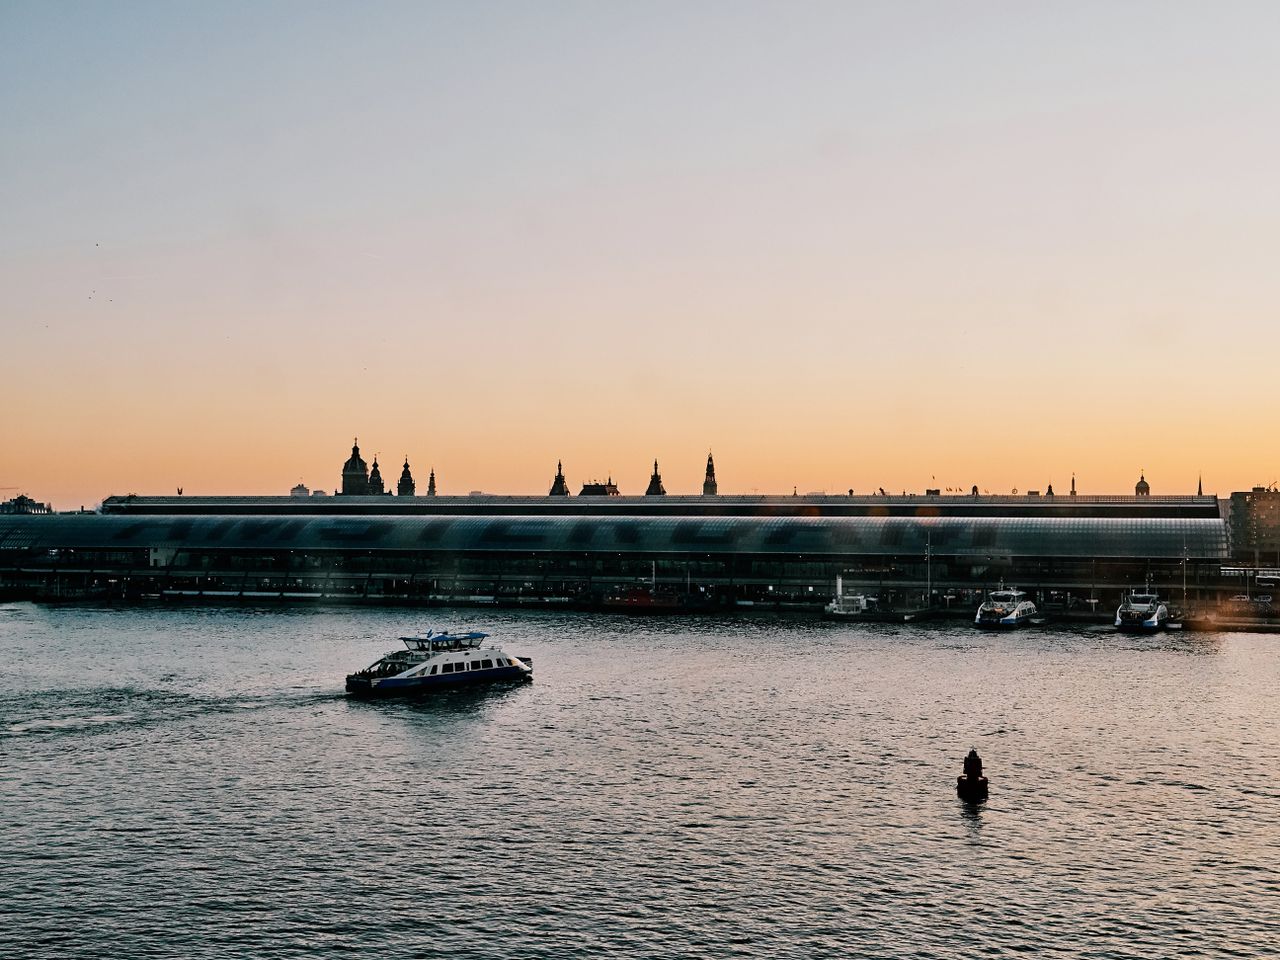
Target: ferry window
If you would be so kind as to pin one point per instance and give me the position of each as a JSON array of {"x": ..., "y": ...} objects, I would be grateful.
[
  {"x": 447, "y": 668},
  {"x": 486, "y": 664},
  {"x": 433, "y": 670},
  {"x": 475, "y": 664}
]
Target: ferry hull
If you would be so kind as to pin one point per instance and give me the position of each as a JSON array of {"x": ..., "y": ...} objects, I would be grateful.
[
  {"x": 369, "y": 688},
  {"x": 1141, "y": 626},
  {"x": 1006, "y": 623}
]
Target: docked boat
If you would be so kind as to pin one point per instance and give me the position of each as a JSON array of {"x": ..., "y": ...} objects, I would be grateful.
[
  {"x": 439, "y": 661},
  {"x": 1005, "y": 608},
  {"x": 1142, "y": 612},
  {"x": 860, "y": 606}
]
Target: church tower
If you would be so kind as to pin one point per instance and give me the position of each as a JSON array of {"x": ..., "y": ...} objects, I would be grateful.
[
  {"x": 405, "y": 487},
  {"x": 1142, "y": 488},
  {"x": 376, "y": 487},
  {"x": 559, "y": 486},
  {"x": 656, "y": 489},
  {"x": 355, "y": 476},
  {"x": 709, "y": 486},
  {"x": 431, "y": 483}
]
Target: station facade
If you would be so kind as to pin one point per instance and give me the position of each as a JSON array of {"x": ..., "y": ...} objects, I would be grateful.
[{"x": 714, "y": 550}]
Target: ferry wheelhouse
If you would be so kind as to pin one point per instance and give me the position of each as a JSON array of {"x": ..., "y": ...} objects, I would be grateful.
[
  {"x": 439, "y": 661},
  {"x": 1142, "y": 612},
  {"x": 1005, "y": 608}
]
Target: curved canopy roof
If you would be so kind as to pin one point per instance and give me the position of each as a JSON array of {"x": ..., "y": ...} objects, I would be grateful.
[{"x": 1082, "y": 537}]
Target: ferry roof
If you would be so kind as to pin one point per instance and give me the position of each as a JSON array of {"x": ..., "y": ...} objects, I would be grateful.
[{"x": 1083, "y": 537}]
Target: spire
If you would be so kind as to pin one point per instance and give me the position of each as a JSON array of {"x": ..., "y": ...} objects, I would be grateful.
[
  {"x": 656, "y": 489},
  {"x": 559, "y": 487},
  {"x": 431, "y": 483},
  {"x": 375, "y": 479},
  {"x": 406, "y": 486},
  {"x": 1200, "y": 486},
  {"x": 1073, "y": 483},
  {"x": 709, "y": 486}
]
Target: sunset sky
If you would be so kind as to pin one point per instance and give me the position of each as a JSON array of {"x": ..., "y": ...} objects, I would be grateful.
[{"x": 840, "y": 245}]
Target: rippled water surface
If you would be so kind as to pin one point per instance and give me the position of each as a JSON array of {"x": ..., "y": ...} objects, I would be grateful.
[{"x": 193, "y": 783}]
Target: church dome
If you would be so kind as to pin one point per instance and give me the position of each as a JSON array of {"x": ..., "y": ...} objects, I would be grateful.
[
  {"x": 1142, "y": 488},
  {"x": 356, "y": 463}
]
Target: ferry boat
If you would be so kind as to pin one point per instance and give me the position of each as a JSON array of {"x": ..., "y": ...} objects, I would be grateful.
[
  {"x": 860, "y": 606},
  {"x": 439, "y": 661},
  {"x": 1005, "y": 608},
  {"x": 1143, "y": 612}
]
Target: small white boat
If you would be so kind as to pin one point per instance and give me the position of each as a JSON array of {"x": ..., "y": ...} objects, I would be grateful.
[
  {"x": 1142, "y": 612},
  {"x": 439, "y": 661},
  {"x": 1005, "y": 608},
  {"x": 861, "y": 606}
]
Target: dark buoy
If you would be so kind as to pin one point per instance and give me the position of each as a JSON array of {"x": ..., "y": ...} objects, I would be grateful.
[{"x": 973, "y": 785}]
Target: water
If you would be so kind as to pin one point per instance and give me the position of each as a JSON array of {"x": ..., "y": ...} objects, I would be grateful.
[{"x": 193, "y": 783}]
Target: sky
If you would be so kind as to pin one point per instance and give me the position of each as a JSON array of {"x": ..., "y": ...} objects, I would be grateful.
[{"x": 840, "y": 245}]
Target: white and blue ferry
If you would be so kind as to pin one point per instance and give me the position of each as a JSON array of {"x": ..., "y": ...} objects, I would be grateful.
[
  {"x": 439, "y": 661},
  {"x": 1142, "y": 612},
  {"x": 1005, "y": 608}
]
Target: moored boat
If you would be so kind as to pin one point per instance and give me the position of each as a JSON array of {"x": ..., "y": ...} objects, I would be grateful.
[
  {"x": 861, "y": 606},
  {"x": 1142, "y": 611},
  {"x": 1005, "y": 608},
  {"x": 438, "y": 661}
]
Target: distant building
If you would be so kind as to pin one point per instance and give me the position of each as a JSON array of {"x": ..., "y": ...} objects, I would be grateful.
[
  {"x": 24, "y": 505},
  {"x": 300, "y": 491},
  {"x": 606, "y": 489},
  {"x": 431, "y": 483},
  {"x": 655, "y": 489},
  {"x": 559, "y": 486},
  {"x": 406, "y": 485},
  {"x": 1255, "y": 525},
  {"x": 376, "y": 487},
  {"x": 355, "y": 475},
  {"x": 1142, "y": 488},
  {"x": 709, "y": 486}
]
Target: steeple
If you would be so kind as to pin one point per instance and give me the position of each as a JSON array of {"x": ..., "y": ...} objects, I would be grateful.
[
  {"x": 709, "y": 486},
  {"x": 1200, "y": 486},
  {"x": 406, "y": 486},
  {"x": 375, "y": 480},
  {"x": 1073, "y": 484},
  {"x": 559, "y": 486},
  {"x": 355, "y": 476},
  {"x": 431, "y": 483},
  {"x": 656, "y": 488}
]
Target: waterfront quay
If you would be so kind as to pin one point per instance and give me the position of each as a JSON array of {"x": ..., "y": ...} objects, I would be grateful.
[{"x": 1076, "y": 555}]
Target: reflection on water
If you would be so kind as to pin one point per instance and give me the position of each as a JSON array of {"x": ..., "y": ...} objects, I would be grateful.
[{"x": 194, "y": 783}]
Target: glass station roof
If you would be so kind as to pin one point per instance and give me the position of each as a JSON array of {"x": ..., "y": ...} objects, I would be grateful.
[{"x": 1079, "y": 537}]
